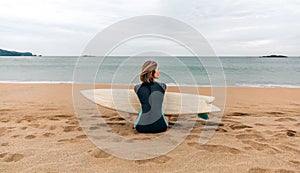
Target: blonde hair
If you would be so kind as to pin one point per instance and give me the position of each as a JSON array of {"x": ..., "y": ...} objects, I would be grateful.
[{"x": 148, "y": 71}]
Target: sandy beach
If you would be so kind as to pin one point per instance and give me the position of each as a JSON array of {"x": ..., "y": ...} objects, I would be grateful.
[{"x": 39, "y": 130}]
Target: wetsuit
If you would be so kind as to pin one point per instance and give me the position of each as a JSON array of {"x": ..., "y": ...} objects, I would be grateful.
[{"x": 151, "y": 119}]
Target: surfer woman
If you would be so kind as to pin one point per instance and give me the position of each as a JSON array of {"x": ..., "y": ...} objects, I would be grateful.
[{"x": 151, "y": 94}]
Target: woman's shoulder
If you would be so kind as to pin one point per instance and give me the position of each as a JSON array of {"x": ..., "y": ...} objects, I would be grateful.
[
  {"x": 137, "y": 87},
  {"x": 144, "y": 85},
  {"x": 163, "y": 85}
]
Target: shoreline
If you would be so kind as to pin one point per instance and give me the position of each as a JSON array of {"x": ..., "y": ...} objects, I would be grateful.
[
  {"x": 40, "y": 132},
  {"x": 168, "y": 84}
]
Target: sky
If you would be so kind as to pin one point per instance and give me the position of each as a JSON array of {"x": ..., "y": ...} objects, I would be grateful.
[{"x": 231, "y": 27}]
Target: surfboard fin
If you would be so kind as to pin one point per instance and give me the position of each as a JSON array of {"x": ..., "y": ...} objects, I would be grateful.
[{"x": 203, "y": 116}]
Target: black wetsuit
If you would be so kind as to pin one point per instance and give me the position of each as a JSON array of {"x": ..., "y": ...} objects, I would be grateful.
[{"x": 151, "y": 119}]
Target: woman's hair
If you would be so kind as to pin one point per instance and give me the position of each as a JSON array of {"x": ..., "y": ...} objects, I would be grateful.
[{"x": 148, "y": 71}]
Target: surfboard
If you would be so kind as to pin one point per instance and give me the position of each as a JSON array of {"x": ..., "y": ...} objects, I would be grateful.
[{"x": 126, "y": 100}]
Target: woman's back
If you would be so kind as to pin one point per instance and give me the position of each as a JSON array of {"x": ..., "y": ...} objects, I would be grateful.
[{"x": 151, "y": 118}]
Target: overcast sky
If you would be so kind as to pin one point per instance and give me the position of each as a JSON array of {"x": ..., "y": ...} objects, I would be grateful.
[{"x": 232, "y": 27}]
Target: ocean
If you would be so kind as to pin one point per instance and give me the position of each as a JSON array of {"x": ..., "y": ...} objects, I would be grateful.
[{"x": 190, "y": 71}]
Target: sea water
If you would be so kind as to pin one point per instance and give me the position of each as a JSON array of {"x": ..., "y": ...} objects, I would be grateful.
[{"x": 190, "y": 71}]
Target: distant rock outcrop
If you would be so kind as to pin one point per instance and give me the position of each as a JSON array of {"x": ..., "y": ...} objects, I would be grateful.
[
  {"x": 273, "y": 56},
  {"x": 14, "y": 53}
]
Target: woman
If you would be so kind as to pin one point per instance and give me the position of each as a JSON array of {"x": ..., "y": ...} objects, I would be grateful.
[{"x": 151, "y": 95}]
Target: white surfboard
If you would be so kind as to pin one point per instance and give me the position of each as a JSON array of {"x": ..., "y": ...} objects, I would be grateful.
[{"x": 126, "y": 100}]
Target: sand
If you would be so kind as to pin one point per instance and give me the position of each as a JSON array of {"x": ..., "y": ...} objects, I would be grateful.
[{"x": 39, "y": 132}]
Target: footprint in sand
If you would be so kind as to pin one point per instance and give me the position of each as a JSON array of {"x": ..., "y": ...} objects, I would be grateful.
[
  {"x": 94, "y": 128},
  {"x": 48, "y": 135},
  {"x": 256, "y": 145},
  {"x": 29, "y": 118},
  {"x": 53, "y": 118},
  {"x": 213, "y": 124},
  {"x": 98, "y": 125},
  {"x": 222, "y": 130},
  {"x": 4, "y": 144},
  {"x": 161, "y": 159},
  {"x": 295, "y": 162},
  {"x": 23, "y": 128},
  {"x": 71, "y": 140},
  {"x": 62, "y": 116},
  {"x": 97, "y": 153},
  {"x": 30, "y": 137},
  {"x": 69, "y": 128},
  {"x": 285, "y": 133},
  {"x": 274, "y": 113},
  {"x": 116, "y": 123},
  {"x": 262, "y": 147},
  {"x": 52, "y": 127},
  {"x": 72, "y": 122},
  {"x": 291, "y": 133},
  {"x": 19, "y": 121},
  {"x": 157, "y": 160},
  {"x": 215, "y": 148},
  {"x": 287, "y": 148},
  {"x": 285, "y": 119},
  {"x": 239, "y": 126},
  {"x": 48, "y": 109},
  {"x": 116, "y": 119},
  {"x": 213, "y": 127},
  {"x": 237, "y": 114},
  {"x": 34, "y": 125},
  {"x": 6, "y": 110},
  {"x": 192, "y": 137},
  {"x": 260, "y": 170},
  {"x": 8, "y": 157},
  {"x": 15, "y": 136},
  {"x": 58, "y": 117},
  {"x": 259, "y": 124},
  {"x": 5, "y": 120},
  {"x": 81, "y": 137},
  {"x": 250, "y": 136},
  {"x": 3, "y": 155},
  {"x": 123, "y": 133}
]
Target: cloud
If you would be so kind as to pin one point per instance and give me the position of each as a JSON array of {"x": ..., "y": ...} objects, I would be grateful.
[
  {"x": 61, "y": 23},
  {"x": 241, "y": 26},
  {"x": 64, "y": 27}
]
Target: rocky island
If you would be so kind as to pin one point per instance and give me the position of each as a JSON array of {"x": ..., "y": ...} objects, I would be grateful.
[
  {"x": 273, "y": 56},
  {"x": 14, "y": 53}
]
